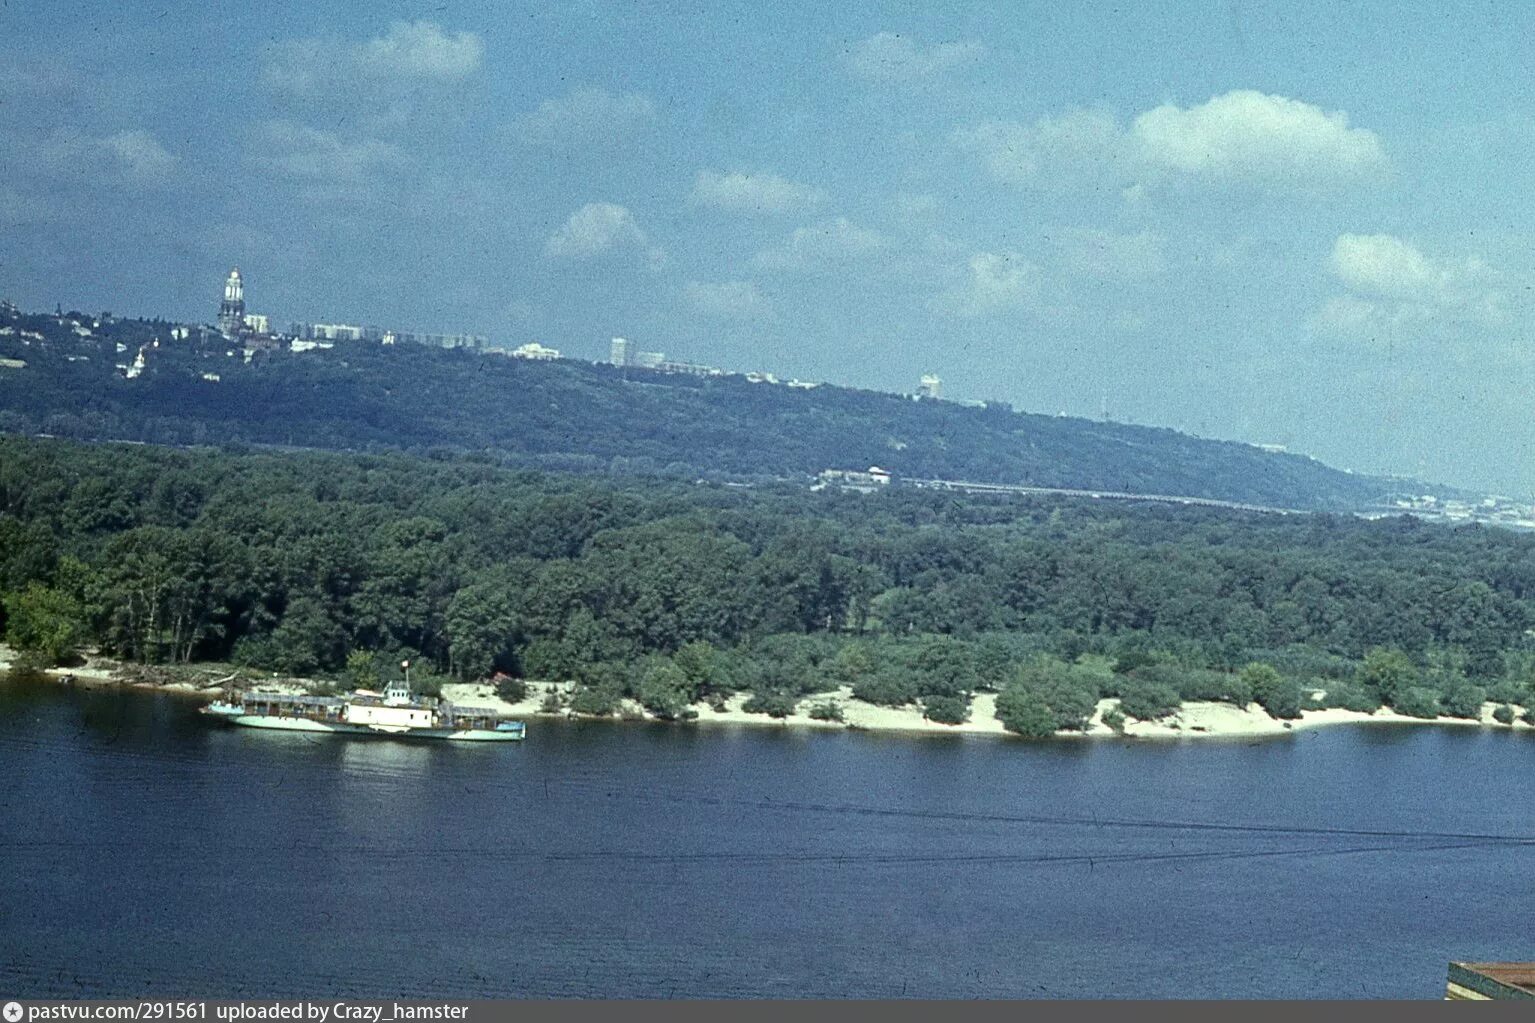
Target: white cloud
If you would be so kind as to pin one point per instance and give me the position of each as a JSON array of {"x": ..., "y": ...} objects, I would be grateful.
[
  {"x": 1065, "y": 147},
  {"x": 311, "y": 154},
  {"x": 1239, "y": 137},
  {"x": 599, "y": 229},
  {"x": 140, "y": 154},
  {"x": 410, "y": 53},
  {"x": 892, "y": 57},
  {"x": 1108, "y": 256},
  {"x": 1246, "y": 134},
  {"x": 995, "y": 282},
  {"x": 1394, "y": 289},
  {"x": 1386, "y": 266},
  {"x": 421, "y": 49},
  {"x": 725, "y": 299},
  {"x": 586, "y": 115},
  {"x": 128, "y": 158},
  {"x": 833, "y": 242},
  {"x": 742, "y": 192}
]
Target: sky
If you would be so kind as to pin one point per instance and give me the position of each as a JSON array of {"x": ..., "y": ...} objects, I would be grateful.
[{"x": 1288, "y": 223}]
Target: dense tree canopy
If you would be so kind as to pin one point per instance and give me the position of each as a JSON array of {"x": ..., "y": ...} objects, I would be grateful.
[{"x": 670, "y": 592}]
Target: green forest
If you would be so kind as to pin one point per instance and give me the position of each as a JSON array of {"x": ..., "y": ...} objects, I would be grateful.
[
  {"x": 580, "y": 416},
  {"x": 336, "y": 566}
]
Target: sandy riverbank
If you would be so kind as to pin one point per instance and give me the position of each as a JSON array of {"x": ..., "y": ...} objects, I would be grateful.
[
  {"x": 1199, "y": 720},
  {"x": 1193, "y": 721}
]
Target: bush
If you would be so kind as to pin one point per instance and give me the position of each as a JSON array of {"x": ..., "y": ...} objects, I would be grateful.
[
  {"x": 1388, "y": 672},
  {"x": 775, "y": 703},
  {"x": 1148, "y": 701},
  {"x": 1507, "y": 690},
  {"x": 1464, "y": 701},
  {"x": 946, "y": 710},
  {"x": 1503, "y": 715},
  {"x": 1417, "y": 702},
  {"x": 552, "y": 703},
  {"x": 597, "y": 701},
  {"x": 1278, "y": 695},
  {"x": 664, "y": 690},
  {"x": 888, "y": 686},
  {"x": 512, "y": 690},
  {"x": 826, "y": 710},
  {"x": 1114, "y": 719},
  {"x": 1024, "y": 711},
  {"x": 1132, "y": 660},
  {"x": 1351, "y": 696}
]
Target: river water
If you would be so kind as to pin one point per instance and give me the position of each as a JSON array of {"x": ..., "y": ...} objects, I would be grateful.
[{"x": 144, "y": 851}]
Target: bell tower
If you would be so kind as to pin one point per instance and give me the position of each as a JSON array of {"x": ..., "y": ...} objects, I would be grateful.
[{"x": 232, "y": 308}]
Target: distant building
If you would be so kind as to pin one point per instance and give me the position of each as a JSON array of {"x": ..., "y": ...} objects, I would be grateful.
[
  {"x": 620, "y": 354},
  {"x": 232, "y": 308},
  {"x": 649, "y": 360},
  {"x": 690, "y": 368},
  {"x": 333, "y": 332},
  {"x": 257, "y": 322},
  {"x": 928, "y": 386},
  {"x": 867, "y": 481},
  {"x": 536, "y": 351}
]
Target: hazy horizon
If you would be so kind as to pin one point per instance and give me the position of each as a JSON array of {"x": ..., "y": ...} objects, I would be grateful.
[{"x": 1276, "y": 223}]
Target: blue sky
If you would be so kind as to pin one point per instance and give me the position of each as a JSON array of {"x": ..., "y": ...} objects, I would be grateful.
[{"x": 1287, "y": 223}]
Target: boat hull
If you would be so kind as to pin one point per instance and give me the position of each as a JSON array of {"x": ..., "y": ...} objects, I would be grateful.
[{"x": 287, "y": 723}]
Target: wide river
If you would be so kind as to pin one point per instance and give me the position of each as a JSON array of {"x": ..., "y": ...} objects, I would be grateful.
[{"x": 144, "y": 851}]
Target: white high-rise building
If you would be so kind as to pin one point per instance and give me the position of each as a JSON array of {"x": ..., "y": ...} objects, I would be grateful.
[
  {"x": 232, "y": 308},
  {"x": 620, "y": 354},
  {"x": 928, "y": 386}
]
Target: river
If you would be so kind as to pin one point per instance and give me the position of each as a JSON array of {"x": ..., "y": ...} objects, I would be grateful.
[{"x": 144, "y": 851}]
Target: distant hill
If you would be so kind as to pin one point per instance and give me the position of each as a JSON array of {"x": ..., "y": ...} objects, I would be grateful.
[{"x": 567, "y": 414}]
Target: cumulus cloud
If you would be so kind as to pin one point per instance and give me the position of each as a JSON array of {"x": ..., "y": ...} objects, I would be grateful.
[
  {"x": 994, "y": 282},
  {"x": 725, "y": 299},
  {"x": 312, "y": 154},
  {"x": 892, "y": 57},
  {"x": 411, "y": 53},
  {"x": 1239, "y": 137},
  {"x": 833, "y": 242},
  {"x": 1247, "y": 134},
  {"x": 1393, "y": 287},
  {"x": 1052, "y": 148},
  {"x": 586, "y": 115},
  {"x": 602, "y": 229},
  {"x": 1109, "y": 256},
  {"x": 125, "y": 158},
  {"x": 742, "y": 192}
]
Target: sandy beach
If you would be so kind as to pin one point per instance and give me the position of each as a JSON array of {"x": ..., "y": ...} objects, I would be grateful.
[{"x": 1195, "y": 720}]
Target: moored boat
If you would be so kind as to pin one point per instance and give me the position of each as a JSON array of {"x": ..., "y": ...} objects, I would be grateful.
[{"x": 394, "y": 712}]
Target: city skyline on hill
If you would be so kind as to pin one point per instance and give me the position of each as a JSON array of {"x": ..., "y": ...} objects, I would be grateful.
[{"x": 1282, "y": 224}]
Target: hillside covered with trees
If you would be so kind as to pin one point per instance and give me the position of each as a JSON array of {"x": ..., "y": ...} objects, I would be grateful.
[
  {"x": 669, "y": 591},
  {"x": 579, "y": 416}
]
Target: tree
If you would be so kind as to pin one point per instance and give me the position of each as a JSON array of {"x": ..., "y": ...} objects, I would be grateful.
[
  {"x": 1278, "y": 695},
  {"x": 665, "y": 690},
  {"x": 44, "y": 621},
  {"x": 946, "y": 710},
  {"x": 1024, "y": 711},
  {"x": 1148, "y": 701},
  {"x": 480, "y": 627},
  {"x": 1464, "y": 701},
  {"x": 1388, "y": 672},
  {"x": 1417, "y": 702},
  {"x": 362, "y": 669}
]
